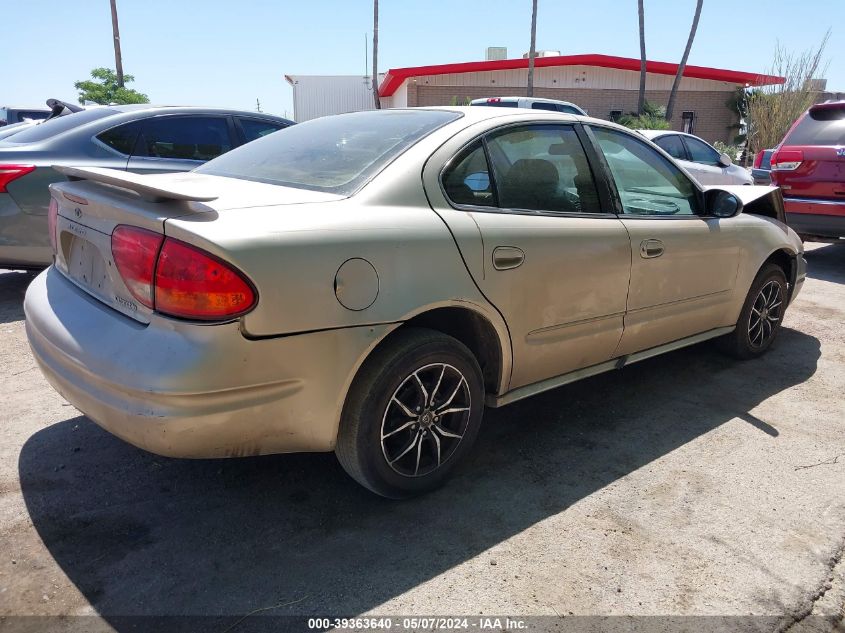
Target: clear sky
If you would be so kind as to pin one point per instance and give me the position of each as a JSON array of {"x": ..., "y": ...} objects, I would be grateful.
[{"x": 225, "y": 53}]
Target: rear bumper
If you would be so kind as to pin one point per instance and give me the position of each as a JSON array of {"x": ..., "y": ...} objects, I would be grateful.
[
  {"x": 808, "y": 216},
  {"x": 188, "y": 390}
]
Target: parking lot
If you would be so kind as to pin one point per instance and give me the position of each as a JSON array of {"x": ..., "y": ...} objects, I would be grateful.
[{"x": 689, "y": 484}]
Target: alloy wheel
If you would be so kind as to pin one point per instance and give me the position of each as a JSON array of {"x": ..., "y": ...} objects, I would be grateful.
[
  {"x": 766, "y": 312},
  {"x": 425, "y": 419}
]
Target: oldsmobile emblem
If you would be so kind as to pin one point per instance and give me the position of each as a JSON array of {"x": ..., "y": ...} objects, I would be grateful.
[{"x": 78, "y": 212}]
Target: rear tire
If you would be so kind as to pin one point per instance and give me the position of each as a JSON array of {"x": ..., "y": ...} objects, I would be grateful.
[
  {"x": 761, "y": 316},
  {"x": 412, "y": 413}
]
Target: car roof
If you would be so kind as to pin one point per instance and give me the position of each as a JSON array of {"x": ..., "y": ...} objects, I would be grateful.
[
  {"x": 472, "y": 115},
  {"x": 653, "y": 134}
]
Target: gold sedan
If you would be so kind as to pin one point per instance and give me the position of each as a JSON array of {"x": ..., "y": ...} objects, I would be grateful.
[{"x": 368, "y": 283}]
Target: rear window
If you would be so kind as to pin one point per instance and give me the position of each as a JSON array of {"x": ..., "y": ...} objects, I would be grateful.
[
  {"x": 56, "y": 126},
  {"x": 334, "y": 154},
  {"x": 820, "y": 127}
]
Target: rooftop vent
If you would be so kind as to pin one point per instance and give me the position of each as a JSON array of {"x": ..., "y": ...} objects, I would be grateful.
[{"x": 496, "y": 53}]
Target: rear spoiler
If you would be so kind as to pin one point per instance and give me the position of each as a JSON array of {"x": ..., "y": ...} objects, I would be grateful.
[{"x": 153, "y": 188}]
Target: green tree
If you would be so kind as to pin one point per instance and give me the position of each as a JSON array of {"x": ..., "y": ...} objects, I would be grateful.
[
  {"x": 653, "y": 117},
  {"x": 103, "y": 88}
]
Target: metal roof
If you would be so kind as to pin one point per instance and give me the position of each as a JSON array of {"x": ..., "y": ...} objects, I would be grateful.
[{"x": 396, "y": 76}]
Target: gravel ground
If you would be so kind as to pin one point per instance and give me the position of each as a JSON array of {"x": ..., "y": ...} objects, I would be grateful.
[{"x": 685, "y": 485}]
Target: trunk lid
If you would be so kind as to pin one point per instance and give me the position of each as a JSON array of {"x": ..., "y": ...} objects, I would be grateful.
[{"x": 95, "y": 201}]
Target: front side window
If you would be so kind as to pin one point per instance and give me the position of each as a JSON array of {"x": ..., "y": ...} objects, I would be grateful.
[
  {"x": 673, "y": 146},
  {"x": 334, "y": 154},
  {"x": 701, "y": 152},
  {"x": 542, "y": 168},
  {"x": 648, "y": 183},
  {"x": 467, "y": 179},
  {"x": 185, "y": 137}
]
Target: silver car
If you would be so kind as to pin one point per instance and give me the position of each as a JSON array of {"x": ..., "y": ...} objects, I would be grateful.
[
  {"x": 136, "y": 138},
  {"x": 699, "y": 158},
  {"x": 368, "y": 283}
]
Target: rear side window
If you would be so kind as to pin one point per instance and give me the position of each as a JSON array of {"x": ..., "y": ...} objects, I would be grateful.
[
  {"x": 821, "y": 127},
  {"x": 185, "y": 137},
  {"x": 497, "y": 104},
  {"x": 256, "y": 128},
  {"x": 121, "y": 138},
  {"x": 701, "y": 152},
  {"x": 467, "y": 180},
  {"x": 61, "y": 124},
  {"x": 542, "y": 168},
  {"x": 334, "y": 154},
  {"x": 673, "y": 146}
]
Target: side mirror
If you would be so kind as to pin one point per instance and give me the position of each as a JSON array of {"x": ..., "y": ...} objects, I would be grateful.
[
  {"x": 725, "y": 160},
  {"x": 721, "y": 203}
]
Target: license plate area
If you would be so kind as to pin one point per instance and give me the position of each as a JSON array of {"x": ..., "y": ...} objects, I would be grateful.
[{"x": 84, "y": 256}]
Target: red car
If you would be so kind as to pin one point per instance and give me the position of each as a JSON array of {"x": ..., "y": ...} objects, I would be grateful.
[{"x": 809, "y": 167}]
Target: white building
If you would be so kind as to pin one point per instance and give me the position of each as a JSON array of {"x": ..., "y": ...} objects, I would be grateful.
[{"x": 321, "y": 95}]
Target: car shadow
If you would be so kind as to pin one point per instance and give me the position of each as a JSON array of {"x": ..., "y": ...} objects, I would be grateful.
[
  {"x": 827, "y": 263},
  {"x": 13, "y": 285},
  {"x": 142, "y": 535}
]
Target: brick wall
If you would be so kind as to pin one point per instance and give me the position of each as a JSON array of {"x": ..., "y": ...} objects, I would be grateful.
[{"x": 712, "y": 116}]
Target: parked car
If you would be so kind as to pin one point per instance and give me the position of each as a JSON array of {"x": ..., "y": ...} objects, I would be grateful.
[
  {"x": 699, "y": 158},
  {"x": 10, "y": 115},
  {"x": 532, "y": 103},
  {"x": 367, "y": 283},
  {"x": 57, "y": 108},
  {"x": 761, "y": 173},
  {"x": 809, "y": 165},
  {"x": 136, "y": 138}
]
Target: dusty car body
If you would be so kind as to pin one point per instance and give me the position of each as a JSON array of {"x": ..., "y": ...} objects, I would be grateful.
[{"x": 377, "y": 317}]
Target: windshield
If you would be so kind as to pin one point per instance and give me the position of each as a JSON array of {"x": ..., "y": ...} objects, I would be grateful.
[
  {"x": 51, "y": 128},
  {"x": 334, "y": 154}
]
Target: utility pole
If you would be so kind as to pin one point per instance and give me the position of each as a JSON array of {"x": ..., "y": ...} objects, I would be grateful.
[
  {"x": 375, "y": 55},
  {"x": 533, "y": 52},
  {"x": 118, "y": 61}
]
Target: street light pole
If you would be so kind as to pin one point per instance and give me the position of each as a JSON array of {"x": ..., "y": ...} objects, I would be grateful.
[{"x": 118, "y": 61}]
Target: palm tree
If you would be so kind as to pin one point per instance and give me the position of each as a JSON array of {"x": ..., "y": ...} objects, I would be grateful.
[
  {"x": 683, "y": 63},
  {"x": 641, "y": 100},
  {"x": 375, "y": 55},
  {"x": 533, "y": 51}
]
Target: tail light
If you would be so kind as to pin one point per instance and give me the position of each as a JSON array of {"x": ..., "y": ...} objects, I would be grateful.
[
  {"x": 494, "y": 100},
  {"x": 135, "y": 252},
  {"x": 177, "y": 279},
  {"x": 758, "y": 159},
  {"x": 787, "y": 159},
  {"x": 8, "y": 173}
]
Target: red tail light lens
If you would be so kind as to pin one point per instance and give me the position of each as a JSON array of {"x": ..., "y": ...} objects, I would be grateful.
[
  {"x": 494, "y": 100},
  {"x": 787, "y": 159},
  {"x": 8, "y": 173},
  {"x": 135, "y": 252},
  {"x": 52, "y": 221},
  {"x": 758, "y": 159},
  {"x": 193, "y": 284}
]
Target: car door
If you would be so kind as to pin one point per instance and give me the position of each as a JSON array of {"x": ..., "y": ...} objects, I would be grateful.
[
  {"x": 683, "y": 263},
  {"x": 673, "y": 145},
  {"x": 705, "y": 161},
  {"x": 556, "y": 260},
  {"x": 172, "y": 143}
]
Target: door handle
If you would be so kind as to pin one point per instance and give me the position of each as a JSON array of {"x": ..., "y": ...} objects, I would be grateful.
[
  {"x": 651, "y": 248},
  {"x": 507, "y": 257}
]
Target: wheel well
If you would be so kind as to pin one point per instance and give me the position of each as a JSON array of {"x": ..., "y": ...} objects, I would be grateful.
[
  {"x": 786, "y": 261},
  {"x": 474, "y": 331}
]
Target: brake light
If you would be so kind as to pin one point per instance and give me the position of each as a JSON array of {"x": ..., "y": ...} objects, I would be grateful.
[
  {"x": 494, "y": 100},
  {"x": 52, "y": 220},
  {"x": 758, "y": 159},
  {"x": 8, "y": 173},
  {"x": 135, "y": 252},
  {"x": 193, "y": 284},
  {"x": 787, "y": 159}
]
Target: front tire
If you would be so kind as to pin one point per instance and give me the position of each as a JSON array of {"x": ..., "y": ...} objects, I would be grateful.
[
  {"x": 761, "y": 316},
  {"x": 412, "y": 413}
]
